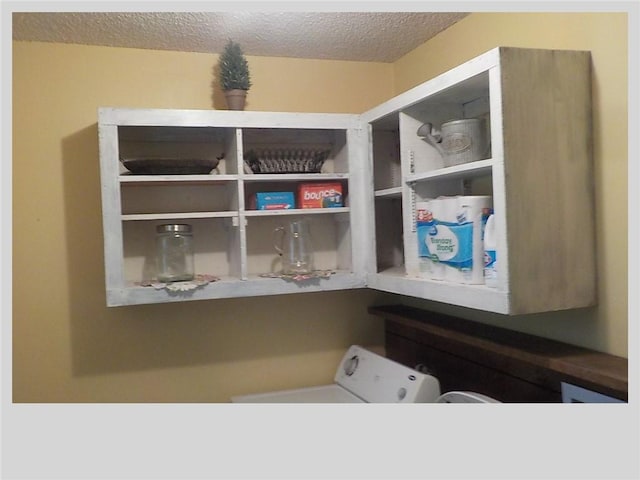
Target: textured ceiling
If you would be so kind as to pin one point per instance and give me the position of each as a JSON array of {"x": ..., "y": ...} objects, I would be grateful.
[{"x": 359, "y": 36}]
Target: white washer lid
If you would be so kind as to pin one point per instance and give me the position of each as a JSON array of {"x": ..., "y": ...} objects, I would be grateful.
[{"x": 321, "y": 394}]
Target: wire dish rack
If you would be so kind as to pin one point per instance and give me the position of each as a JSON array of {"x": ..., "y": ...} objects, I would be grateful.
[{"x": 286, "y": 160}]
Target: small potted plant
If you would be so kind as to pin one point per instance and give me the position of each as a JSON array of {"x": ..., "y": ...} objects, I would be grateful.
[{"x": 235, "y": 79}]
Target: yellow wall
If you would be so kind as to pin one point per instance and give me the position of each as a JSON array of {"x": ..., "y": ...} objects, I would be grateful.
[
  {"x": 68, "y": 347},
  {"x": 605, "y": 327}
]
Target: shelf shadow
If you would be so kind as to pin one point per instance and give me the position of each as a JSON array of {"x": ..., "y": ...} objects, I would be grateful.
[{"x": 108, "y": 340}]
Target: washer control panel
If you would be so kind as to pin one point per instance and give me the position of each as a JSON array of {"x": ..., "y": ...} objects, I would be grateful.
[{"x": 376, "y": 379}]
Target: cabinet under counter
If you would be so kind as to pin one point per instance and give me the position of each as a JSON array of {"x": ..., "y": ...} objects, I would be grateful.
[{"x": 505, "y": 364}]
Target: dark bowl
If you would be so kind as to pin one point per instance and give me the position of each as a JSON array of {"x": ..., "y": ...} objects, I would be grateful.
[{"x": 170, "y": 166}]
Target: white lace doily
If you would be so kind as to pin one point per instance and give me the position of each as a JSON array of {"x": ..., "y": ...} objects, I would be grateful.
[{"x": 185, "y": 286}]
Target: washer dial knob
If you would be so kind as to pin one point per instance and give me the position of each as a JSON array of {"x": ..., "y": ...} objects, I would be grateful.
[{"x": 350, "y": 365}]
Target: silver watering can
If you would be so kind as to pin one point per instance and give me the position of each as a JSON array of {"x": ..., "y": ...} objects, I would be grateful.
[{"x": 459, "y": 141}]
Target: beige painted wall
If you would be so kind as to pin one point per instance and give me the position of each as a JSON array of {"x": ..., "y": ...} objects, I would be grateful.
[
  {"x": 68, "y": 347},
  {"x": 605, "y": 327}
]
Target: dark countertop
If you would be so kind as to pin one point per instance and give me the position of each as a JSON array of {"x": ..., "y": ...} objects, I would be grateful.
[{"x": 529, "y": 354}]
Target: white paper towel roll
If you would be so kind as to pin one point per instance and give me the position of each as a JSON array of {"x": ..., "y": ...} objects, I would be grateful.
[
  {"x": 450, "y": 210},
  {"x": 471, "y": 209},
  {"x": 437, "y": 206}
]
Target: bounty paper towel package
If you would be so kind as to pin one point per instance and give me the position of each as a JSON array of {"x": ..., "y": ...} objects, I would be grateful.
[{"x": 450, "y": 235}]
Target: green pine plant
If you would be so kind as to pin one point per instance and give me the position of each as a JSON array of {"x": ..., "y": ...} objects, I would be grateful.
[{"x": 234, "y": 69}]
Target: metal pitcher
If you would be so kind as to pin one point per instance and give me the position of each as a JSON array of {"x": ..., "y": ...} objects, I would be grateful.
[{"x": 459, "y": 141}]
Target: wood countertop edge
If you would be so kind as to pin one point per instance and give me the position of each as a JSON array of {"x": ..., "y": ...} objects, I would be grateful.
[{"x": 566, "y": 360}]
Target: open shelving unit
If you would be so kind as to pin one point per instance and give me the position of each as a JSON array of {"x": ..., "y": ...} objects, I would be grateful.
[
  {"x": 232, "y": 240},
  {"x": 536, "y": 108}
]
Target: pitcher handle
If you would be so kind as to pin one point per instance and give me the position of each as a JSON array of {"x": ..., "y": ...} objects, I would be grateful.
[{"x": 278, "y": 244}]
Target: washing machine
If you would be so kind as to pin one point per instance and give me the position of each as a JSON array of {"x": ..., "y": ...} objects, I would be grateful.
[
  {"x": 362, "y": 377},
  {"x": 366, "y": 377}
]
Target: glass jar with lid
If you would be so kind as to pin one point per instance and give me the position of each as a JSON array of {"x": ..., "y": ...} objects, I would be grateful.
[{"x": 174, "y": 252}]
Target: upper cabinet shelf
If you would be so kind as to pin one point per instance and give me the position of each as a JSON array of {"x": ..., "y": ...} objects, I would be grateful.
[
  {"x": 169, "y": 179},
  {"x": 536, "y": 175},
  {"x": 529, "y": 109},
  {"x": 233, "y": 240},
  {"x": 294, "y": 177},
  {"x": 478, "y": 168}
]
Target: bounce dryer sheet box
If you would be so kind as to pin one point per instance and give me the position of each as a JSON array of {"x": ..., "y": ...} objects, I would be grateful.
[
  {"x": 275, "y": 200},
  {"x": 320, "y": 195}
]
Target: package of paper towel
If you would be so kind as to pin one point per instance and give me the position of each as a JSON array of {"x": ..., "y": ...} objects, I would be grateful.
[{"x": 450, "y": 232}]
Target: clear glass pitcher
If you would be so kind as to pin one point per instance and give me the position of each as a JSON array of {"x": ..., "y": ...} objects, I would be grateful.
[{"x": 293, "y": 243}]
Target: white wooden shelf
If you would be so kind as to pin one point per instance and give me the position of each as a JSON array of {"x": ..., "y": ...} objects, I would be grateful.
[
  {"x": 540, "y": 159},
  {"x": 294, "y": 177},
  {"x": 175, "y": 179},
  {"x": 177, "y": 216},
  {"x": 394, "y": 192},
  {"x": 230, "y": 287},
  {"x": 479, "y": 297},
  {"x": 464, "y": 171},
  {"x": 540, "y": 178},
  {"x": 234, "y": 248},
  {"x": 296, "y": 211}
]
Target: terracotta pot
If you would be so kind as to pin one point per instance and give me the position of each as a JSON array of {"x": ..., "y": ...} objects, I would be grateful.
[{"x": 235, "y": 99}]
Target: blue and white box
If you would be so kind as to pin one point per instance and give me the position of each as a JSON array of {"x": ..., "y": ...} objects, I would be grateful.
[{"x": 275, "y": 200}]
